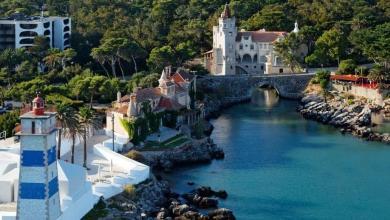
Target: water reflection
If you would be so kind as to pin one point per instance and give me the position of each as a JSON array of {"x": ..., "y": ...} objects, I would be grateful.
[{"x": 265, "y": 97}]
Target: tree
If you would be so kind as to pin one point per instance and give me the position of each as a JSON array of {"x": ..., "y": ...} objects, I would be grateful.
[
  {"x": 161, "y": 57},
  {"x": 347, "y": 67},
  {"x": 330, "y": 47},
  {"x": 88, "y": 122},
  {"x": 67, "y": 120},
  {"x": 374, "y": 43},
  {"x": 287, "y": 49}
]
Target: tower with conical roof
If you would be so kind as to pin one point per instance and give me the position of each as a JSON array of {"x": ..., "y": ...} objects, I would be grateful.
[
  {"x": 224, "y": 43},
  {"x": 38, "y": 196},
  {"x": 296, "y": 28}
]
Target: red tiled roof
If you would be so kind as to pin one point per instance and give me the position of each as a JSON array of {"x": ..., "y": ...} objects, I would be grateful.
[
  {"x": 122, "y": 109},
  {"x": 350, "y": 78},
  {"x": 169, "y": 104},
  {"x": 148, "y": 93},
  {"x": 261, "y": 35}
]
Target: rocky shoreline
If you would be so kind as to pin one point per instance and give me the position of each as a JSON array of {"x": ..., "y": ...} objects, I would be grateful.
[
  {"x": 153, "y": 199},
  {"x": 198, "y": 151},
  {"x": 349, "y": 118}
]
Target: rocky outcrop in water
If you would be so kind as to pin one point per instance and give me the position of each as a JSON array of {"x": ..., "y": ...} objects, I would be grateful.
[
  {"x": 354, "y": 118},
  {"x": 195, "y": 152}
]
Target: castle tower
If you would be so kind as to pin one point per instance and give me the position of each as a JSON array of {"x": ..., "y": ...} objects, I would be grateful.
[
  {"x": 132, "y": 108},
  {"x": 296, "y": 28},
  {"x": 167, "y": 88},
  {"x": 38, "y": 196},
  {"x": 224, "y": 44}
]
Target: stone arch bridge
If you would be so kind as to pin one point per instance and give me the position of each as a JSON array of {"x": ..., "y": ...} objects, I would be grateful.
[{"x": 239, "y": 87}]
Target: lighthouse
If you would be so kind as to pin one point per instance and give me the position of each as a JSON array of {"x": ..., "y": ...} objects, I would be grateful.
[{"x": 38, "y": 196}]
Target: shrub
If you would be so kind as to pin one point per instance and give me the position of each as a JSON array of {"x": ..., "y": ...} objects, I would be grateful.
[
  {"x": 99, "y": 211},
  {"x": 347, "y": 67},
  {"x": 137, "y": 156},
  {"x": 130, "y": 191}
]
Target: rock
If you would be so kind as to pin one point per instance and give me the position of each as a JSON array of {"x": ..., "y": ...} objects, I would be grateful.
[
  {"x": 221, "y": 213},
  {"x": 221, "y": 194},
  {"x": 207, "y": 202},
  {"x": 163, "y": 214},
  {"x": 180, "y": 209}
]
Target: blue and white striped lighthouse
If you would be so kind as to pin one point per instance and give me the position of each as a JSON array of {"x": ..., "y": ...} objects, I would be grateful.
[{"x": 38, "y": 181}]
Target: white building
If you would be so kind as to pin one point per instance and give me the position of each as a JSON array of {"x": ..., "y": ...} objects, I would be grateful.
[
  {"x": 35, "y": 185},
  {"x": 172, "y": 94},
  {"x": 244, "y": 52},
  {"x": 19, "y": 31}
]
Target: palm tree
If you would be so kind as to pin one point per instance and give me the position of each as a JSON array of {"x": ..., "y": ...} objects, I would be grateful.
[
  {"x": 67, "y": 121},
  {"x": 87, "y": 120},
  {"x": 74, "y": 133}
]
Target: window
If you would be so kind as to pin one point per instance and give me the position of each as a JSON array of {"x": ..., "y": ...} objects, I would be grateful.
[
  {"x": 231, "y": 67},
  {"x": 230, "y": 34},
  {"x": 252, "y": 47},
  {"x": 246, "y": 45},
  {"x": 262, "y": 67},
  {"x": 33, "y": 127},
  {"x": 254, "y": 67},
  {"x": 241, "y": 46},
  {"x": 246, "y": 37},
  {"x": 280, "y": 70},
  {"x": 46, "y": 25},
  {"x": 224, "y": 25}
]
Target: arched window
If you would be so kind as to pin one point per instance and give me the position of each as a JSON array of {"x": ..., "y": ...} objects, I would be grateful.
[
  {"x": 28, "y": 34},
  {"x": 46, "y": 25},
  {"x": 66, "y": 29},
  {"x": 255, "y": 58},
  {"x": 26, "y": 41},
  {"x": 246, "y": 58},
  {"x": 47, "y": 32},
  {"x": 66, "y": 36},
  {"x": 66, "y": 21},
  {"x": 28, "y": 26},
  {"x": 66, "y": 42}
]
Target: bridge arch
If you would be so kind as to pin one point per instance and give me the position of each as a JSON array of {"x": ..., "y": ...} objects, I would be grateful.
[{"x": 268, "y": 85}]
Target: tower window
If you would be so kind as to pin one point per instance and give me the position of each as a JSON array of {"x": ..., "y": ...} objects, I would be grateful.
[
  {"x": 252, "y": 47},
  {"x": 33, "y": 127},
  {"x": 241, "y": 46}
]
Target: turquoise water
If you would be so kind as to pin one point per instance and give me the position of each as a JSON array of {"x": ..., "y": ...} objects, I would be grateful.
[{"x": 279, "y": 166}]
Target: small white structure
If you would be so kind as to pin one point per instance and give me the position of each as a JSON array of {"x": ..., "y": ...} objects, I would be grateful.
[
  {"x": 19, "y": 30},
  {"x": 245, "y": 52}
]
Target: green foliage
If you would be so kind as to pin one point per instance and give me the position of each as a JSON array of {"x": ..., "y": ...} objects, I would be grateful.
[
  {"x": 138, "y": 129},
  {"x": 347, "y": 67},
  {"x": 8, "y": 122},
  {"x": 321, "y": 76},
  {"x": 137, "y": 156},
  {"x": 199, "y": 129},
  {"x": 161, "y": 57},
  {"x": 130, "y": 191}
]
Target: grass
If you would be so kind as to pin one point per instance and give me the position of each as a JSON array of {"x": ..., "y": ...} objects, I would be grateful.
[{"x": 168, "y": 144}]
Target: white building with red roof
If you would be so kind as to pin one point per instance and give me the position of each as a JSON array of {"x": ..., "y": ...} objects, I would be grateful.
[
  {"x": 172, "y": 94},
  {"x": 244, "y": 52}
]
